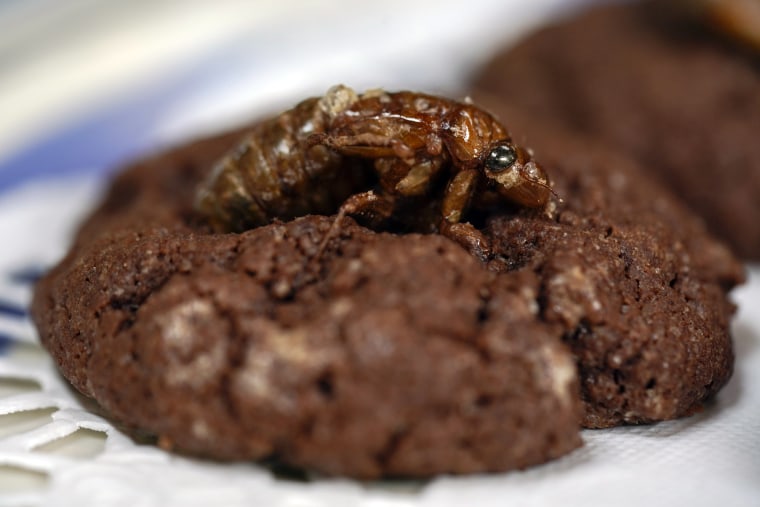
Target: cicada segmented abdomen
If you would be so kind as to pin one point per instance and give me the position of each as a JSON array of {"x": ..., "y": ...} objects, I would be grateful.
[{"x": 275, "y": 173}]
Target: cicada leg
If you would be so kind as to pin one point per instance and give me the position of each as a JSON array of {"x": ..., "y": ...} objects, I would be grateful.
[
  {"x": 455, "y": 202},
  {"x": 371, "y": 206},
  {"x": 418, "y": 177},
  {"x": 468, "y": 237}
]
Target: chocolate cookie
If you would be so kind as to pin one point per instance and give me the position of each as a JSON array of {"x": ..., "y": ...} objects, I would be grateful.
[
  {"x": 677, "y": 97},
  {"x": 391, "y": 354},
  {"x": 634, "y": 284}
]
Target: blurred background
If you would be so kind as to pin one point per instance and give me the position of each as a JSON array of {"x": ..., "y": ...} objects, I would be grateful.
[{"x": 86, "y": 85}]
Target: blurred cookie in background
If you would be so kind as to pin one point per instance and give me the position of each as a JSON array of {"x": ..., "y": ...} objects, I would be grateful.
[{"x": 676, "y": 88}]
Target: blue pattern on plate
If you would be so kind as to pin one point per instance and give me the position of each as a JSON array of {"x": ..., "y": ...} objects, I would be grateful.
[
  {"x": 12, "y": 311},
  {"x": 100, "y": 141},
  {"x": 8, "y": 309},
  {"x": 89, "y": 144},
  {"x": 26, "y": 275},
  {"x": 6, "y": 343}
]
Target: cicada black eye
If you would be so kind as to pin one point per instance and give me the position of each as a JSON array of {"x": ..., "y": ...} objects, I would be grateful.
[{"x": 501, "y": 158}]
